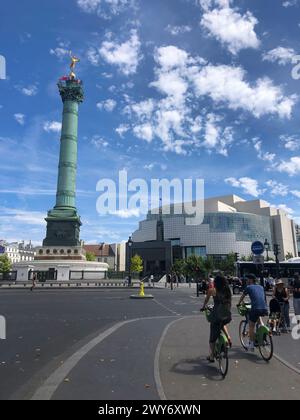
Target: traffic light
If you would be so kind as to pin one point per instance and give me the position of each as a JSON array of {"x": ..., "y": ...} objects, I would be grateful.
[{"x": 237, "y": 256}]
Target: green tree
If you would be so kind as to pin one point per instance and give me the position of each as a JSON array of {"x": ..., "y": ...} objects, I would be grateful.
[
  {"x": 227, "y": 265},
  {"x": 209, "y": 265},
  {"x": 136, "y": 264},
  {"x": 179, "y": 267},
  {"x": 90, "y": 256},
  {"x": 5, "y": 264},
  {"x": 289, "y": 255},
  {"x": 195, "y": 267}
]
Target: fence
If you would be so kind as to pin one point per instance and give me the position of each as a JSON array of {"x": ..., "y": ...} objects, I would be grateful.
[
  {"x": 86, "y": 275},
  {"x": 10, "y": 276}
]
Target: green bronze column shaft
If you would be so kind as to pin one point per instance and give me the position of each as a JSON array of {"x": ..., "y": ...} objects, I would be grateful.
[
  {"x": 66, "y": 185},
  {"x": 63, "y": 222}
]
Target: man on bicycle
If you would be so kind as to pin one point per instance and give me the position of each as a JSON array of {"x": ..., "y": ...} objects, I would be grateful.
[{"x": 259, "y": 307}]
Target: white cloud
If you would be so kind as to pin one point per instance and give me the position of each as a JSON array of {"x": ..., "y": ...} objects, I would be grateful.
[
  {"x": 122, "y": 129},
  {"x": 215, "y": 137},
  {"x": 170, "y": 57},
  {"x": 286, "y": 209},
  {"x": 296, "y": 193},
  {"x": 265, "y": 156},
  {"x": 126, "y": 56},
  {"x": 93, "y": 56},
  {"x": 52, "y": 127},
  {"x": 227, "y": 25},
  {"x": 99, "y": 142},
  {"x": 290, "y": 142},
  {"x": 291, "y": 167},
  {"x": 30, "y": 90},
  {"x": 15, "y": 216},
  {"x": 105, "y": 8},
  {"x": 61, "y": 51},
  {"x": 281, "y": 55},
  {"x": 178, "y": 30},
  {"x": 20, "y": 118},
  {"x": 126, "y": 214},
  {"x": 289, "y": 3},
  {"x": 248, "y": 185},
  {"x": 144, "y": 132},
  {"x": 108, "y": 105},
  {"x": 277, "y": 188},
  {"x": 228, "y": 85}
]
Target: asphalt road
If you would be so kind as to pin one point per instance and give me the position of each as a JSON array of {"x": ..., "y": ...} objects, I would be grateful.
[{"x": 99, "y": 344}]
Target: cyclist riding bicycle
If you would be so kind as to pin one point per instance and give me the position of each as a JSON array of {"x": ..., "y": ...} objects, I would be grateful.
[
  {"x": 259, "y": 307},
  {"x": 221, "y": 313}
]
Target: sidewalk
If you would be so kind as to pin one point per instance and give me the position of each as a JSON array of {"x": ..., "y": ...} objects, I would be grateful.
[{"x": 185, "y": 373}]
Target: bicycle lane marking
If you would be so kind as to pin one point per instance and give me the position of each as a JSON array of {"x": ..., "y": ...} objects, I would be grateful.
[{"x": 51, "y": 384}]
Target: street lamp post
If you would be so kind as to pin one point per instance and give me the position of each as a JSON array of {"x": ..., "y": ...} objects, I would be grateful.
[
  {"x": 130, "y": 242},
  {"x": 276, "y": 252},
  {"x": 267, "y": 248}
]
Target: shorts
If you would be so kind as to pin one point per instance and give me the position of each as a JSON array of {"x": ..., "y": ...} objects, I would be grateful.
[
  {"x": 255, "y": 314},
  {"x": 215, "y": 330}
]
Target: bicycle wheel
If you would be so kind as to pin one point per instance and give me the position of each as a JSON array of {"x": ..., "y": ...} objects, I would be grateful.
[
  {"x": 223, "y": 361},
  {"x": 244, "y": 333},
  {"x": 266, "y": 347}
]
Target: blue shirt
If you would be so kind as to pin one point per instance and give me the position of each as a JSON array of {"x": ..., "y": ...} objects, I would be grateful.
[{"x": 257, "y": 297}]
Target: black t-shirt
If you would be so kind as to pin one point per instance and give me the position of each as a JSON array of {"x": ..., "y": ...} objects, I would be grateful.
[{"x": 296, "y": 289}]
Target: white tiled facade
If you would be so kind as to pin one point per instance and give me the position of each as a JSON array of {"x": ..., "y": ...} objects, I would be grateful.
[{"x": 231, "y": 224}]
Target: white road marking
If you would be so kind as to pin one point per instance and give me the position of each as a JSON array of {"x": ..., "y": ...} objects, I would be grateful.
[
  {"x": 157, "y": 377},
  {"x": 47, "y": 390}
]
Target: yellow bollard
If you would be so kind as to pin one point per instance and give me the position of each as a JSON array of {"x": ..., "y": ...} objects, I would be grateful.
[{"x": 142, "y": 290}]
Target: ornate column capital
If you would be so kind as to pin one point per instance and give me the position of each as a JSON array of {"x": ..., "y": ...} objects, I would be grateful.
[{"x": 71, "y": 90}]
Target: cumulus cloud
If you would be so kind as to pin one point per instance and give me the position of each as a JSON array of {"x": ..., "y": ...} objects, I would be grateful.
[
  {"x": 281, "y": 55},
  {"x": 61, "y": 51},
  {"x": 277, "y": 188},
  {"x": 234, "y": 30},
  {"x": 183, "y": 80},
  {"x": 248, "y": 185},
  {"x": 291, "y": 142},
  {"x": 296, "y": 193},
  {"x": 291, "y": 167},
  {"x": 20, "y": 118},
  {"x": 52, "y": 127},
  {"x": 286, "y": 209},
  {"x": 265, "y": 156},
  {"x": 108, "y": 105},
  {"x": 30, "y": 90},
  {"x": 228, "y": 85},
  {"x": 289, "y": 3},
  {"x": 126, "y": 56},
  {"x": 105, "y": 8},
  {"x": 178, "y": 30}
]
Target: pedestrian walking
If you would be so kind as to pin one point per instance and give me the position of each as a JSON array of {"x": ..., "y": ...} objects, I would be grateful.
[
  {"x": 296, "y": 296},
  {"x": 281, "y": 293},
  {"x": 33, "y": 284},
  {"x": 151, "y": 280}
]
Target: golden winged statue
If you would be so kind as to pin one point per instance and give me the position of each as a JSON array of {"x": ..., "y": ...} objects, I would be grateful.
[{"x": 74, "y": 61}]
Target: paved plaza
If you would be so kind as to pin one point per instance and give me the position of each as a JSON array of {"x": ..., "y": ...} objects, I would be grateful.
[{"x": 99, "y": 344}]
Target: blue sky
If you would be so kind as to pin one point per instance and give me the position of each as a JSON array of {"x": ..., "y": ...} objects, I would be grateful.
[{"x": 174, "y": 88}]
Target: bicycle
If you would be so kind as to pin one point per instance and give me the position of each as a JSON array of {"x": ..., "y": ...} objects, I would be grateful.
[
  {"x": 221, "y": 347},
  {"x": 263, "y": 335}
]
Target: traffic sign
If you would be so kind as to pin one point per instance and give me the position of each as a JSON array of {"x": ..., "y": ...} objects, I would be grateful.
[
  {"x": 257, "y": 248},
  {"x": 258, "y": 259},
  {"x": 2, "y": 249}
]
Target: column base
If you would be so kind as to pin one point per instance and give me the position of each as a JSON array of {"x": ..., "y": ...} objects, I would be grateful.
[{"x": 63, "y": 228}]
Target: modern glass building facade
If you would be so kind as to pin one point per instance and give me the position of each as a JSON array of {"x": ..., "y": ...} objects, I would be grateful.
[{"x": 230, "y": 225}]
